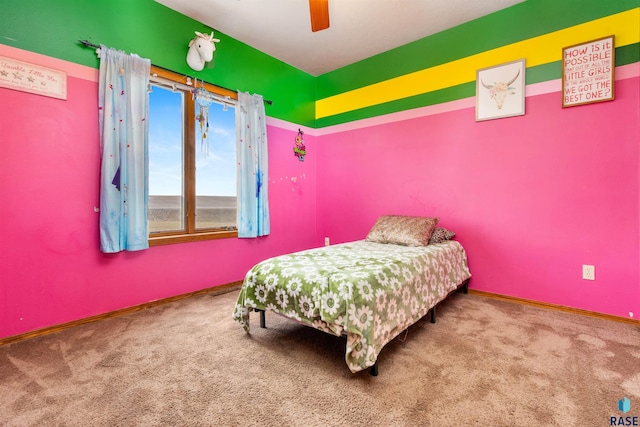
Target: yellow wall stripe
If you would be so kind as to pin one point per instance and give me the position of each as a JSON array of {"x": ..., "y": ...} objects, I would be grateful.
[{"x": 537, "y": 51}]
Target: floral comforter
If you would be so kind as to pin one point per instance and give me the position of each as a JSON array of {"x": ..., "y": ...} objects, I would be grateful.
[{"x": 370, "y": 291}]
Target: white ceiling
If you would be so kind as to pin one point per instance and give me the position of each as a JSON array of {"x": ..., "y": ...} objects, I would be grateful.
[{"x": 358, "y": 28}]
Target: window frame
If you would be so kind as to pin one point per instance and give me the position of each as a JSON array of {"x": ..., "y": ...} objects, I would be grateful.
[{"x": 190, "y": 234}]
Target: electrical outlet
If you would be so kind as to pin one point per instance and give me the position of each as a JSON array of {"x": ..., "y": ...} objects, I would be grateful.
[
  {"x": 631, "y": 314},
  {"x": 326, "y": 241},
  {"x": 589, "y": 272}
]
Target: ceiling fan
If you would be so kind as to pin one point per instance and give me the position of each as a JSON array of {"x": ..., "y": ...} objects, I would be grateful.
[{"x": 319, "y": 11}]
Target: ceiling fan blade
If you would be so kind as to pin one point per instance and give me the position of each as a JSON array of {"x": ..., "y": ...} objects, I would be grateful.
[{"x": 319, "y": 11}]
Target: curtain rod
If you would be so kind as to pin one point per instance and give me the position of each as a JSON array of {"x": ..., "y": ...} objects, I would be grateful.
[{"x": 87, "y": 43}]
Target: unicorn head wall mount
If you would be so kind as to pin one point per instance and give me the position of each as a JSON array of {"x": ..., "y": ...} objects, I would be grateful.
[{"x": 201, "y": 50}]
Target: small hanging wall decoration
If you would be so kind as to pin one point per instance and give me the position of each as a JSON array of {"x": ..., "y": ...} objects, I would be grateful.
[
  {"x": 299, "y": 150},
  {"x": 203, "y": 99},
  {"x": 203, "y": 120}
]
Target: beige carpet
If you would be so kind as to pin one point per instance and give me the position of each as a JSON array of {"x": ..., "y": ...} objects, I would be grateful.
[{"x": 484, "y": 363}]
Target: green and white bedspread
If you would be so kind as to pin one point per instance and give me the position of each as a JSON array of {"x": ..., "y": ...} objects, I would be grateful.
[{"x": 371, "y": 291}]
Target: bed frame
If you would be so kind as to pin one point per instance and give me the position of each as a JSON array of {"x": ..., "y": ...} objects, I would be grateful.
[{"x": 373, "y": 370}]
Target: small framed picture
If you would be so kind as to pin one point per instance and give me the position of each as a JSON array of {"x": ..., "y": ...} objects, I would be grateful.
[{"x": 500, "y": 91}]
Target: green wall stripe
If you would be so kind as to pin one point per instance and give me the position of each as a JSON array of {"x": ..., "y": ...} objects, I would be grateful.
[
  {"x": 154, "y": 31},
  {"x": 435, "y": 97},
  {"x": 628, "y": 54}
]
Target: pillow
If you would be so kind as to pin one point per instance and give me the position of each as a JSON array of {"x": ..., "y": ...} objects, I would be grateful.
[
  {"x": 402, "y": 230},
  {"x": 440, "y": 235}
]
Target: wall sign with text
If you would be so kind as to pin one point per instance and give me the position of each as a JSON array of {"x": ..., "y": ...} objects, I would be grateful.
[
  {"x": 587, "y": 72},
  {"x": 25, "y": 77}
]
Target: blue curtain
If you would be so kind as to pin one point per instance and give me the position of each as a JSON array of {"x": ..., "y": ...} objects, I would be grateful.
[
  {"x": 253, "y": 170},
  {"x": 124, "y": 129}
]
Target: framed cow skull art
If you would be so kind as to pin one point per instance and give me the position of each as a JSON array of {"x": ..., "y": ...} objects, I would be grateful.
[{"x": 500, "y": 91}]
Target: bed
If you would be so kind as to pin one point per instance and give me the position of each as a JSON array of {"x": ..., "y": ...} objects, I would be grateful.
[{"x": 369, "y": 290}]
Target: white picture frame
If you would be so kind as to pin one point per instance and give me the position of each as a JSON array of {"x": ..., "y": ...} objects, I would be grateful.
[{"x": 500, "y": 91}]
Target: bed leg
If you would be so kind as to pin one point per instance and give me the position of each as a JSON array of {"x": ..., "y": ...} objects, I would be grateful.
[
  {"x": 465, "y": 287},
  {"x": 263, "y": 322},
  {"x": 373, "y": 371},
  {"x": 433, "y": 315}
]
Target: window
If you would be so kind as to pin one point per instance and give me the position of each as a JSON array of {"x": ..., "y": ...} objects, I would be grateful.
[{"x": 192, "y": 162}]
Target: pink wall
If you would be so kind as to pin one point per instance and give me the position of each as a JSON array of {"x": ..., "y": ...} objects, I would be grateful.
[
  {"x": 531, "y": 198},
  {"x": 51, "y": 269}
]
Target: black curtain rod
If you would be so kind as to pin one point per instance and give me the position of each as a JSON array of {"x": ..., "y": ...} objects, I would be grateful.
[{"x": 87, "y": 43}]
